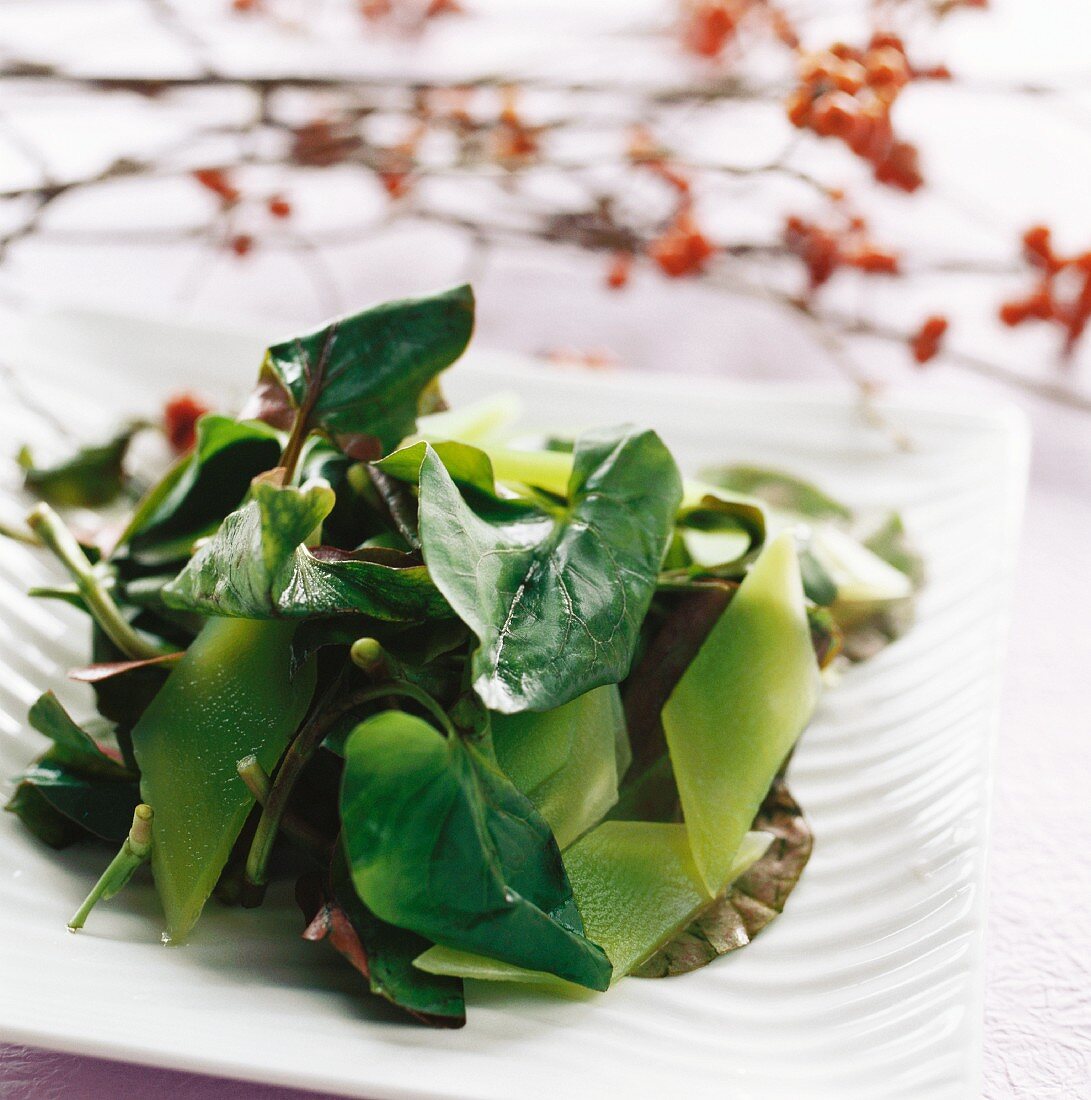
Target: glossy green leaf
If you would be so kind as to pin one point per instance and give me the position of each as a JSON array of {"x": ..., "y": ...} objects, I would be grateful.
[
  {"x": 99, "y": 804},
  {"x": 200, "y": 489},
  {"x": 71, "y": 740},
  {"x": 556, "y": 599},
  {"x": 469, "y": 467},
  {"x": 636, "y": 885},
  {"x": 257, "y": 567},
  {"x": 566, "y": 760},
  {"x": 365, "y": 374},
  {"x": 440, "y": 843},
  {"x": 90, "y": 478},
  {"x": 76, "y": 779},
  {"x": 229, "y": 696},
  {"x": 737, "y": 710}
]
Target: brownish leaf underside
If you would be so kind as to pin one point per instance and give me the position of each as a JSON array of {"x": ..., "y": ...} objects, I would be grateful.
[{"x": 754, "y": 900}]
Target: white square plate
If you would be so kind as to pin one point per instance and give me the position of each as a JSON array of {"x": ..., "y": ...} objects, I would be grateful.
[{"x": 868, "y": 986}]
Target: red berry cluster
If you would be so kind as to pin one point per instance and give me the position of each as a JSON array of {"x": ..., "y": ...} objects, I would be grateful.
[
  {"x": 180, "y": 416},
  {"x": 925, "y": 344},
  {"x": 682, "y": 248},
  {"x": 824, "y": 249},
  {"x": 1062, "y": 294},
  {"x": 707, "y": 27},
  {"x": 219, "y": 182},
  {"x": 847, "y": 94}
]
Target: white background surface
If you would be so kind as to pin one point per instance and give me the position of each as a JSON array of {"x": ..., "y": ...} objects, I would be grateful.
[{"x": 1025, "y": 164}]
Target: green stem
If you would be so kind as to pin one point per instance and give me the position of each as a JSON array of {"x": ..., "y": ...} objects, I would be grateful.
[
  {"x": 299, "y": 755},
  {"x": 289, "y": 459},
  {"x": 369, "y": 655},
  {"x": 257, "y": 783},
  {"x": 13, "y": 533},
  {"x": 55, "y": 536},
  {"x": 135, "y": 850}
]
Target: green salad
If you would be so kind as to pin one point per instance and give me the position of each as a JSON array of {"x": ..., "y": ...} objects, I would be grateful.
[{"x": 507, "y": 707}]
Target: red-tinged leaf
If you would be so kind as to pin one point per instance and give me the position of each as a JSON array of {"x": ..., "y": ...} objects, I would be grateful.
[
  {"x": 360, "y": 446},
  {"x": 107, "y": 670},
  {"x": 380, "y": 952},
  {"x": 270, "y": 403},
  {"x": 330, "y": 922}
]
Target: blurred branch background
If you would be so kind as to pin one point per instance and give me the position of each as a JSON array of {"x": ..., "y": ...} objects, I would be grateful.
[{"x": 874, "y": 189}]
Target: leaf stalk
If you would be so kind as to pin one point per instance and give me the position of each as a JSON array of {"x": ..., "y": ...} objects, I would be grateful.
[
  {"x": 134, "y": 851},
  {"x": 56, "y": 537},
  {"x": 299, "y": 755}
]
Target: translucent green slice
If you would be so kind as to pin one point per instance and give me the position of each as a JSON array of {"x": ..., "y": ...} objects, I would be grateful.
[
  {"x": 636, "y": 886},
  {"x": 739, "y": 707},
  {"x": 229, "y": 696},
  {"x": 566, "y": 760}
]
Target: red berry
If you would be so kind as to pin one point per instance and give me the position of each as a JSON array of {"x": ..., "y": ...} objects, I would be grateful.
[
  {"x": 216, "y": 180},
  {"x": 180, "y": 416},
  {"x": 280, "y": 207},
  {"x": 617, "y": 276},
  {"x": 835, "y": 114},
  {"x": 926, "y": 342}
]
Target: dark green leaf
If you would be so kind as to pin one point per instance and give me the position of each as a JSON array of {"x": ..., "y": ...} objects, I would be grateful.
[
  {"x": 76, "y": 778},
  {"x": 781, "y": 490},
  {"x": 442, "y": 844},
  {"x": 201, "y": 489},
  {"x": 384, "y": 954},
  {"x": 90, "y": 478},
  {"x": 752, "y": 901},
  {"x": 256, "y": 567},
  {"x": 366, "y": 374},
  {"x": 556, "y": 598},
  {"x": 817, "y": 583},
  {"x": 98, "y": 805},
  {"x": 49, "y": 825}
]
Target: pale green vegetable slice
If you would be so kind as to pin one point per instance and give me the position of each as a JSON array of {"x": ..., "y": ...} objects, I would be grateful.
[
  {"x": 636, "y": 887},
  {"x": 566, "y": 760},
  {"x": 478, "y": 423},
  {"x": 740, "y": 706},
  {"x": 859, "y": 573},
  {"x": 229, "y": 696}
]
